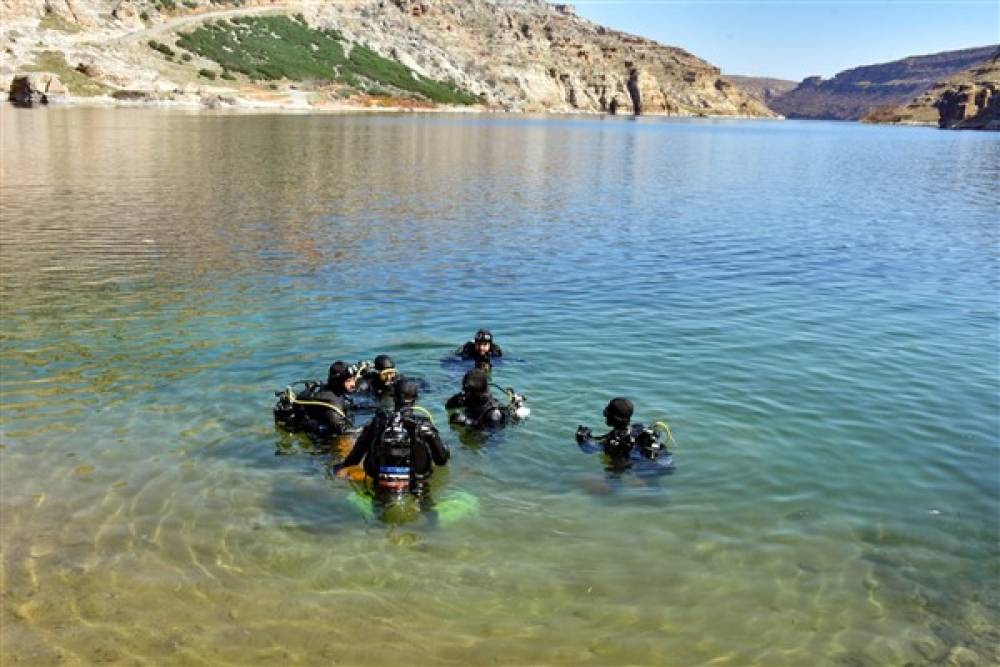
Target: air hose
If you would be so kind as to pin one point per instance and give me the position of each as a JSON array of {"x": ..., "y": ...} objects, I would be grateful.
[{"x": 663, "y": 427}]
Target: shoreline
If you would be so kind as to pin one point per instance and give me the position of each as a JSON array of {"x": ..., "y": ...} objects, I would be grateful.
[{"x": 229, "y": 101}]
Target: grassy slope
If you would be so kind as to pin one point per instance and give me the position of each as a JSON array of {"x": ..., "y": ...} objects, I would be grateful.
[
  {"x": 282, "y": 47},
  {"x": 76, "y": 82}
]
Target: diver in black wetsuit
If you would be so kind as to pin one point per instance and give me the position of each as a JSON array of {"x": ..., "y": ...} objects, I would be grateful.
[
  {"x": 321, "y": 410},
  {"x": 380, "y": 379},
  {"x": 377, "y": 384},
  {"x": 399, "y": 447},
  {"x": 482, "y": 350},
  {"x": 476, "y": 407},
  {"x": 626, "y": 445}
]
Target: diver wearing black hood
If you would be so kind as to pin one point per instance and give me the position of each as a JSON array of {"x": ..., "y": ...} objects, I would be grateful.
[
  {"x": 475, "y": 406},
  {"x": 482, "y": 350},
  {"x": 399, "y": 447},
  {"x": 322, "y": 410},
  {"x": 380, "y": 378},
  {"x": 626, "y": 444}
]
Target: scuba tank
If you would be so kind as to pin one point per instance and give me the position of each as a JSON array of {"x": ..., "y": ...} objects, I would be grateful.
[
  {"x": 649, "y": 444},
  {"x": 395, "y": 449},
  {"x": 619, "y": 442},
  {"x": 287, "y": 413}
]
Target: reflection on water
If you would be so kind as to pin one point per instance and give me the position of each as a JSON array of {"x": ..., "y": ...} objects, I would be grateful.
[{"x": 812, "y": 306}]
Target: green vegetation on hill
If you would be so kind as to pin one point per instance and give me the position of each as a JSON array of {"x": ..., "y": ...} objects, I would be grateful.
[{"x": 283, "y": 47}]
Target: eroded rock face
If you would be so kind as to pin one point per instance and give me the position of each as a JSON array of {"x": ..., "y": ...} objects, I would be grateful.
[
  {"x": 128, "y": 14},
  {"x": 80, "y": 12},
  {"x": 36, "y": 88},
  {"x": 969, "y": 100},
  {"x": 90, "y": 69},
  {"x": 19, "y": 11},
  {"x": 855, "y": 93},
  {"x": 535, "y": 56},
  {"x": 970, "y": 107},
  {"x": 521, "y": 55}
]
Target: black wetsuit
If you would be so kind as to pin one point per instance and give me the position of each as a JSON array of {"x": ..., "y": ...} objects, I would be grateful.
[
  {"x": 372, "y": 383},
  {"x": 318, "y": 410},
  {"x": 628, "y": 447},
  {"x": 372, "y": 393},
  {"x": 478, "y": 410},
  {"x": 331, "y": 418},
  {"x": 381, "y": 460},
  {"x": 469, "y": 351}
]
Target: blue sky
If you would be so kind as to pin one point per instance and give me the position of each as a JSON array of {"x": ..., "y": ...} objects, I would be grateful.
[{"x": 792, "y": 39}]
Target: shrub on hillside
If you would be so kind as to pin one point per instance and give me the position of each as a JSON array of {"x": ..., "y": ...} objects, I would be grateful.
[{"x": 281, "y": 47}]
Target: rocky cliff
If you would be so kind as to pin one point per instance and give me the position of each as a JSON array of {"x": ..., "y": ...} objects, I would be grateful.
[
  {"x": 968, "y": 100},
  {"x": 763, "y": 89},
  {"x": 854, "y": 93},
  {"x": 523, "y": 55}
]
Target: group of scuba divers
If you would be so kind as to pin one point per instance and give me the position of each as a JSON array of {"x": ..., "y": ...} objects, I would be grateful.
[{"x": 400, "y": 445}]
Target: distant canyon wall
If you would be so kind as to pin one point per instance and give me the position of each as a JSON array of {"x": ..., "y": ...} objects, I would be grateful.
[
  {"x": 968, "y": 100},
  {"x": 855, "y": 93}
]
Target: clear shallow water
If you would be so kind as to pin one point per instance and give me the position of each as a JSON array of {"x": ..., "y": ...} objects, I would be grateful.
[{"x": 814, "y": 307}]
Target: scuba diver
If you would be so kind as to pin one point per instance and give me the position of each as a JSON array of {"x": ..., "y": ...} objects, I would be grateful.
[
  {"x": 481, "y": 349},
  {"x": 320, "y": 410},
  {"x": 378, "y": 377},
  {"x": 377, "y": 381},
  {"x": 399, "y": 447},
  {"x": 628, "y": 445},
  {"x": 476, "y": 407}
]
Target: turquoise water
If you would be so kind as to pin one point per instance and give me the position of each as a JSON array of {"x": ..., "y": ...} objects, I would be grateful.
[{"x": 812, "y": 306}]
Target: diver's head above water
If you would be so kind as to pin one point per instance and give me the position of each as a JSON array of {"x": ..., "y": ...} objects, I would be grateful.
[
  {"x": 406, "y": 394},
  {"x": 484, "y": 342},
  {"x": 475, "y": 383},
  {"x": 386, "y": 371},
  {"x": 618, "y": 412},
  {"x": 341, "y": 379}
]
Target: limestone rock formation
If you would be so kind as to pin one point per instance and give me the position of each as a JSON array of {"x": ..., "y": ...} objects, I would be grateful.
[
  {"x": 762, "y": 89},
  {"x": 79, "y": 12},
  {"x": 519, "y": 55},
  {"x": 854, "y": 93},
  {"x": 128, "y": 14},
  {"x": 36, "y": 88},
  {"x": 968, "y": 100},
  {"x": 534, "y": 56}
]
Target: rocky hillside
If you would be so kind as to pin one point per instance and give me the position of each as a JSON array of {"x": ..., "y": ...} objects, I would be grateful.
[
  {"x": 854, "y": 93},
  {"x": 524, "y": 55},
  {"x": 968, "y": 100},
  {"x": 763, "y": 89}
]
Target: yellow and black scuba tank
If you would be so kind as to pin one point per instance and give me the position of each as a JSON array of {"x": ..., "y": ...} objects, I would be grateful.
[
  {"x": 289, "y": 413},
  {"x": 394, "y": 454}
]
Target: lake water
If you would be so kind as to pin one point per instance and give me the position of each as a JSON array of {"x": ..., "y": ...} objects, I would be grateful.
[{"x": 812, "y": 306}]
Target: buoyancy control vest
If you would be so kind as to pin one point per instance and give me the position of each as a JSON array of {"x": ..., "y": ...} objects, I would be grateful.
[
  {"x": 394, "y": 454},
  {"x": 313, "y": 409},
  {"x": 621, "y": 443}
]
